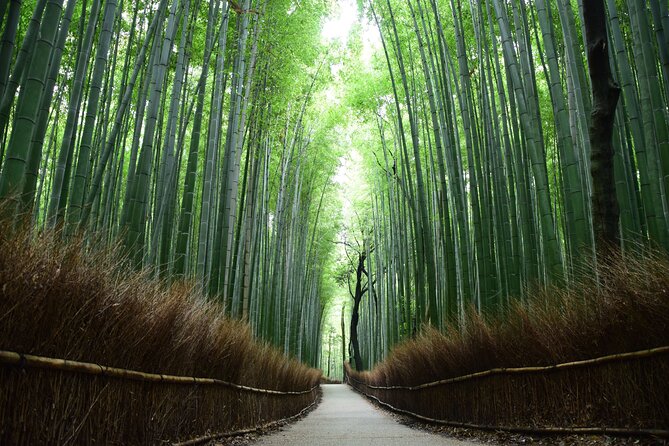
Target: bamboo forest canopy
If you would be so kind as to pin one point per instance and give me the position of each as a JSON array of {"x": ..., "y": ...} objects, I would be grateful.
[{"x": 261, "y": 148}]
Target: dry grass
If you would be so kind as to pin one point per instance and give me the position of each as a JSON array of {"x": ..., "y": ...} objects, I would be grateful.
[
  {"x": 630, "y": 312},
  {"x": 61, "y": 301}
]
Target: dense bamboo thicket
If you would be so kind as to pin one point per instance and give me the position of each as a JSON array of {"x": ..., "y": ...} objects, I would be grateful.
[
  {"x": 481, "y": 169},
  {"x": 185, "y": 129},
  {"x": 61, "y": 302},
  {"x": 436, "y": 160},
  {"x": 629, "y": 313}
]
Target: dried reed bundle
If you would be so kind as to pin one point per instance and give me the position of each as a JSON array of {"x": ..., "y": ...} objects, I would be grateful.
[
  {"x": 625, "y": 310},
  {"x": 70, "y": 302}
]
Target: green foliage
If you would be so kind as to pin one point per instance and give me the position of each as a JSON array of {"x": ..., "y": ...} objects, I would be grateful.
[{"x": 444, "y": 133}]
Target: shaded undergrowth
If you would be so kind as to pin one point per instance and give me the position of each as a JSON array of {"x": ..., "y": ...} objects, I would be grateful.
[
  {"x": 626, "y": 310},
  {"x": 64, "y": 301}
]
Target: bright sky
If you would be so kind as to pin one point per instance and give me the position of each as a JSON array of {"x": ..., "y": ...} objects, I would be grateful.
[
  {"x": 349, "y": 177},
  {"x": 339, "y": 26}
]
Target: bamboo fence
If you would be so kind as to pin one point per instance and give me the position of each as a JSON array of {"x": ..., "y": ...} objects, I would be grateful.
[
  {"x": 485, "y": 395},
  {"x": 41, "y": 362},
  {"x": 56, "y": 401}
]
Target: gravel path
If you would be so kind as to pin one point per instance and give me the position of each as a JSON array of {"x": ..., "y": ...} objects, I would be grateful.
[{"x": 346, "y": 418}]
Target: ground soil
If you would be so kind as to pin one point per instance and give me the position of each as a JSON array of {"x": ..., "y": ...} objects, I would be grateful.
[
  {"x": 250, "y": 438},
  {"x": 346, "y": 418},
  {"x": 502, "y": 438}
]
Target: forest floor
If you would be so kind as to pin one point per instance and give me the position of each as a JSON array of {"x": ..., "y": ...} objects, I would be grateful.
[
  {"x": 346, "y": 418},
  {"x": 502, "y": 438}
]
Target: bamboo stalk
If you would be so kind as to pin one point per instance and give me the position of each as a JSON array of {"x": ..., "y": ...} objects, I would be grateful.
[
  {"x": 527, "y": 430},
  {"x": 526, "y": 370},
  {"x": 40, "y": 362}
]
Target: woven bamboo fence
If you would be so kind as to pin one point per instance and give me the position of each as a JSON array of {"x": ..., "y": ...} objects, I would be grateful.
[
  {"x": 622, "y": 394},
  {"x": 56, "y": 401}
]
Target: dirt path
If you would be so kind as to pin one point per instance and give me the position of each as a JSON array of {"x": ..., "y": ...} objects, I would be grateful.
[{"x": 346, "y": 418}]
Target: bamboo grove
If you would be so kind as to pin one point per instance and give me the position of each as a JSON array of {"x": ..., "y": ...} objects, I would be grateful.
[
  {"x": 182, "y": 129},
  {"x": 482, "y": 171},
  {"x": 202, "y": 138}
]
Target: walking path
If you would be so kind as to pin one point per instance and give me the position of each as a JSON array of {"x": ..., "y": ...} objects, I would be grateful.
[{"x": 346, "y": 418}]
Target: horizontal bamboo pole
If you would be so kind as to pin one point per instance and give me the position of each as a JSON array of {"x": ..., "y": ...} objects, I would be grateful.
[
  {"x": 527, "y": 430},
  {"x": 40, "y": 362},
  {"x": 527, "y": 370},
  {"x": 207, "y": 438}
]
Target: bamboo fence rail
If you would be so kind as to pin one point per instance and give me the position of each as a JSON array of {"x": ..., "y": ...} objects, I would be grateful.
[
  {"x": 527, "y": 370},
  {"x": 517, "y": 371},
  {"x": 526, "y": 430},
  {"x": 31, "y": 361},
  {"x": 207, "y": 438}
]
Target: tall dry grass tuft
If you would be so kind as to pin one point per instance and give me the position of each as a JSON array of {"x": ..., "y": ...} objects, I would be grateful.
[
  {"x": 626, "y": 310},
  {"x": 64, "y": 301}
]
